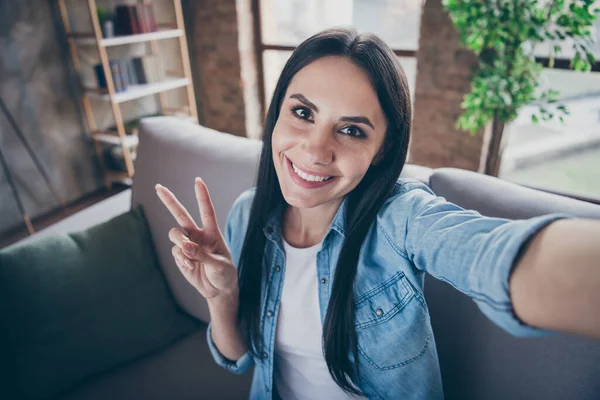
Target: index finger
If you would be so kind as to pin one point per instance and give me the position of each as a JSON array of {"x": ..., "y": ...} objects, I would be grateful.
[
  {"x": 207, "y": 210},
  {"x": 181, "y": 215}
]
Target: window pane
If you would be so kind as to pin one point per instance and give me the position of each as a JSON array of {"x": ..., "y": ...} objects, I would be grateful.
[
  {"x": 274, "y": 61},
  {"x": 289, "y": 22},
  {"x": 556, "y": 156},
  {"x": 409, "y": 65}
]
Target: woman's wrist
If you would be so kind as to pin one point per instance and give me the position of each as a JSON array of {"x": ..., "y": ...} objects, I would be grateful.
[{"x": 224, "y": 305}]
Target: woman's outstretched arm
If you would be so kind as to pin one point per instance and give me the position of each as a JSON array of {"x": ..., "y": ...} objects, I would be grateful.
[{"x": 555, "y": 284}]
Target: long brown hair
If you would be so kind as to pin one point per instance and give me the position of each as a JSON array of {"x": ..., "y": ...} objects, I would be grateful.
[{"x": 363, "y": 203}]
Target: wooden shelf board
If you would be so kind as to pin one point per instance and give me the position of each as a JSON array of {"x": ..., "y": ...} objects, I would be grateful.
[
  {"x": 137, "y": 91},
  {"x": 130, "y": 140},
  {"x": 128, "y": 39},
  {"x": 119, "y": 176}
]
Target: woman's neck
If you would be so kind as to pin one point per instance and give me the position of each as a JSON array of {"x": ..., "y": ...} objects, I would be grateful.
[{"x": 305, "y": 227}]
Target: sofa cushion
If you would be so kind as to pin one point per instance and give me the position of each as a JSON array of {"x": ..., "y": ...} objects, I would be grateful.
[
  {"x": 183, "y": 371},
  {"x": 73, "y": 305}
]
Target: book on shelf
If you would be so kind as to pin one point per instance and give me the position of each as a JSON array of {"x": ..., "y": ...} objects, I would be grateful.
[
  {"x": 134, "y": 19},
  {"x": 151, "y": 68},
  {"x": 100, "y": 77},
  {"x": 141, "y": 18},
  {"x": 134, "y": 71},
  {"x": 123, "y": 73},
  {"x": 131, "y": 75},
  {"x": 138, "y": 69},
  {"x": 116, "y": 75},
  {"x": 151, "y": 18}
]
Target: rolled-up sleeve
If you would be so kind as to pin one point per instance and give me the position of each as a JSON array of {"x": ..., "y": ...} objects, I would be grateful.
[
  {"x": 237, "y": 367},
  {"x": 473, "y": 253}
]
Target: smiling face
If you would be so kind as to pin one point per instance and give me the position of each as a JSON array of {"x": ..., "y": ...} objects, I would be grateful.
[{"x": 329, "y": 131}]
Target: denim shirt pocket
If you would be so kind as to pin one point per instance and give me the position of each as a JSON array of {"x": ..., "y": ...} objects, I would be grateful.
[{"x": 392, "y": 324}]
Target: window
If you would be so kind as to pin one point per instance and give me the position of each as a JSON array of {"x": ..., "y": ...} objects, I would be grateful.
[
  {"x": 286, "y": 23},
  {"x": 559, "y": 157}
]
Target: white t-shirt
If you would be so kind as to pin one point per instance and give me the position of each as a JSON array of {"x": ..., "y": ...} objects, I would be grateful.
[{"x": 300, "y": 371}]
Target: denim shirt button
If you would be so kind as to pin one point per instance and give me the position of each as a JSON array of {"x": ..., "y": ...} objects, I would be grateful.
[
  {"x": 379, "y": 312},
  {"x": 269, "y": 313},
  {"x": 265, "y": 356},
  {"x": 323, "y": 280},
  {"x": 277, "y": 268}
]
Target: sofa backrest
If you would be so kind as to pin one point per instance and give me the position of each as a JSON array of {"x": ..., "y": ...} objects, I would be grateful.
[{"x": 495, "y": 197}]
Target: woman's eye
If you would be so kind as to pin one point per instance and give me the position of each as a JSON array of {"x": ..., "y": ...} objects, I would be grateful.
[
  {"x": 353, "y": 131},
  {"x": 301, "y": 112}
]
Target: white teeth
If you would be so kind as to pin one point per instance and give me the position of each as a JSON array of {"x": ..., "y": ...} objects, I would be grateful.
[{"x": 308, "y": 177}]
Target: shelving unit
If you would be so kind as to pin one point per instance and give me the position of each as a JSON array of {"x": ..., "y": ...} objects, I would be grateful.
[{"x": 119, "y": 136}]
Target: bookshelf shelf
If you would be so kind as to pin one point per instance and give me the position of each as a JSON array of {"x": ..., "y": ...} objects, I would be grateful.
[
  {"x": 119, "y": 176},
  {"x": 130, "y": 140},
  {"x": 138, "y": 91},
  {"x": 131, "y": 16},
  {"x": 129, "y": 39}
]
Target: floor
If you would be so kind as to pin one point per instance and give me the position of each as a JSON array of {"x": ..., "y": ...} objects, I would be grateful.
[{"x": 53, "y": 217}]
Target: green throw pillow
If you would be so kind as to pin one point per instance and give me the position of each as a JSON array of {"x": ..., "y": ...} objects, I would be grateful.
[{"x": 74, "y": 305}]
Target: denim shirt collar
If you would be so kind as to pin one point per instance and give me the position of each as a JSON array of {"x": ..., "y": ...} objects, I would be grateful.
[{"x": 272, "y": 228}]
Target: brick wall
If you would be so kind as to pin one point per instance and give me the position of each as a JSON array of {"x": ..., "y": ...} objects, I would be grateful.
[
  {"x": 223, "y": 62},
  {"x": 443, "y": 78}
]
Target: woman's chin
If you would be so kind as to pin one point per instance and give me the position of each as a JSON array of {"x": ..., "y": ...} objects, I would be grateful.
[
  {"x": 294, "y": 201},
  {"x": 300, "y": 200}
]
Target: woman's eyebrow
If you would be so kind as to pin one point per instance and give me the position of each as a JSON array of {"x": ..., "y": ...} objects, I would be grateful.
[
  {"x": 311, "y": 105},
  {"x": 308, "y": 103},
  {"x": 358, "y": 120}
]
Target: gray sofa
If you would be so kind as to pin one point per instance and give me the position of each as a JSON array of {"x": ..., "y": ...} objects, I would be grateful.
[{"x": 478, "y": 360}]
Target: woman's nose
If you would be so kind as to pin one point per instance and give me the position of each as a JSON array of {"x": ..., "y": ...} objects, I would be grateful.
[{"x": 318, "y": 147}]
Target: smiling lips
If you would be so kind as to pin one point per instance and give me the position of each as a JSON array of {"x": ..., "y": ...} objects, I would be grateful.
[{"x": 305, "y": 179}]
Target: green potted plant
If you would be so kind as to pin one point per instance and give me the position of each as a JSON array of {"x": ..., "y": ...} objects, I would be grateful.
[{"x": 503, "y": 34}]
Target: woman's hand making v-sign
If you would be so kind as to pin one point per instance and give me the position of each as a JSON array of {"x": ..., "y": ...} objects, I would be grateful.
[{"x": 201, "y": 253}]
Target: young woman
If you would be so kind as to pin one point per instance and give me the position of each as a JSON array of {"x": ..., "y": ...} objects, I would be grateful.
[{"x": 331, "y": 247}]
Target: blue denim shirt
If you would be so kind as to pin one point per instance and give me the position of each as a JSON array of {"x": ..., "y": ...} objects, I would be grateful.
[{"x": 415, "y": 232}]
